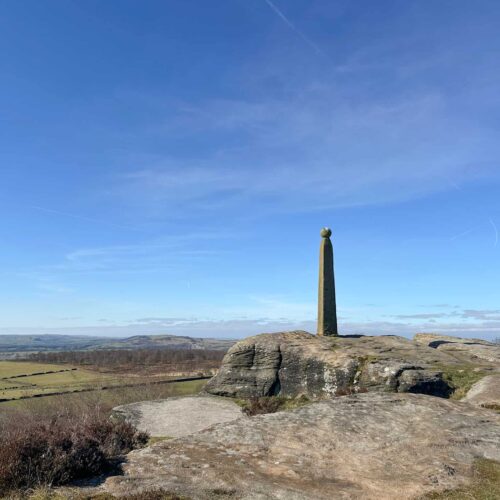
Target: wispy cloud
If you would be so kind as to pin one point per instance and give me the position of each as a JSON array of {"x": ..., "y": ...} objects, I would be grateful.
[
  {"x": 92, "y": 220},
  {"x": 422, "y": 316},
  {"x": 482, "y": 314},
  {"x": 486, "y": 315},
  {"x": 299, "y": 135},
  {"x": 312, "y": 150},
  {"x": 169, "y": 255},
  {"x": 281, "y": 307},
  {"x": 144, "y": 256},
  {"x": 50, "y": 285}
]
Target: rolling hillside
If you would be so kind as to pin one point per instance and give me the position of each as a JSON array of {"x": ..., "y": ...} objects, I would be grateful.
[{"x": 10, "y": 345}]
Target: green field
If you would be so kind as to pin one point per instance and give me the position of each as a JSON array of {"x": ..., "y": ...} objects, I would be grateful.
[
  {"x": 20, "y": 380},
  {"x": 104, "y": 398},
  {"x": 14, "y": 368}
]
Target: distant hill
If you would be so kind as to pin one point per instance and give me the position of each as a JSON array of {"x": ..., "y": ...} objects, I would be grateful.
[
  {"x": 12, "y": 344},
  {"x": 166, "y": 341}
]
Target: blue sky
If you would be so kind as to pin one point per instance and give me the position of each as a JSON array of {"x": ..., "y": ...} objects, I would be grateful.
[{"x": 166, "y": 166}]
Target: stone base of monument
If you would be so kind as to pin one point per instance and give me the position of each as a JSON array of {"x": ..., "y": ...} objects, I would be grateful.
[{"x": 297, "y": 363}]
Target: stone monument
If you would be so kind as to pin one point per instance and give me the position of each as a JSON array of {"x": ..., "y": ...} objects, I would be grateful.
[{"x": 327, "y": 308}]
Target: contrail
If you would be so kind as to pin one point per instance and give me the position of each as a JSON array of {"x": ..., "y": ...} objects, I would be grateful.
[
  {"x": 490, "y": 220},
  {"x": 294, "y": 28},
  {"x": 463, "y": 233},
  {"x": 493, "y": 225},
  {"x": 494, "y": 229}
]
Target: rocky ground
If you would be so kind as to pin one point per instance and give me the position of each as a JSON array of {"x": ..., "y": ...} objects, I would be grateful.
[
  {"x": 369, "y": 446},
  {"x": 379, "y": 441}
]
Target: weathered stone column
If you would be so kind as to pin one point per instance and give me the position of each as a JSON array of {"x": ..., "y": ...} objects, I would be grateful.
[{"x": 327, "y": 308}]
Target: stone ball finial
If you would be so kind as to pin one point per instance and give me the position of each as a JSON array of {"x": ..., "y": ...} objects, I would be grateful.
[{"x": 326, "y": 232}]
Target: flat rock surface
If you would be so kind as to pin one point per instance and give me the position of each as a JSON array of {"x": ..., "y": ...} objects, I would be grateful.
[
  {"x": 485, "y": 392},
  {"x": 370, "y": 446},
  {"x": 176, "y": 417}
]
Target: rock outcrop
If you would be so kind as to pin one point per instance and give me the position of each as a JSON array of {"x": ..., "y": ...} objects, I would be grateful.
[
  {"x": 372, "y": 446},
  {"x": 485, "y": 393},
  {"x": 296, "y": 363},
  {"x": 470, "y": 350}
]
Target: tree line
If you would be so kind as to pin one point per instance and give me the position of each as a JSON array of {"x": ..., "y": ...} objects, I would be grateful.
[{"x": 113, "y": 359}]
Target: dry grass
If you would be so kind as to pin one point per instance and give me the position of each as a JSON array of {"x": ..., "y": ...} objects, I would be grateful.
[
  {"x": 57, "y": 439},
  {"x": 271, "y": 404},
  {"x": 50, "y": 494},
  {"x": 72, "y": 433},
  {"x": 491, "y": 406},
  {"x": 146, "y": 495},
  {"x": 461, "y": 379},
  {"x": 70, "y": 443},
  {"x": 485, "y": 484}
]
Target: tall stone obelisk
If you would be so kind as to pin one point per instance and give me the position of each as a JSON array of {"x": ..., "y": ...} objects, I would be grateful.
[{"x": 327, "y": 307}]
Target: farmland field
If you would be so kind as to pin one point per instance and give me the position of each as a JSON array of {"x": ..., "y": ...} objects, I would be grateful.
[
  {"x": 105, "y": 398},
  {"x": 20, "y": 380},
  {"x": 9, "y": 369}
]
